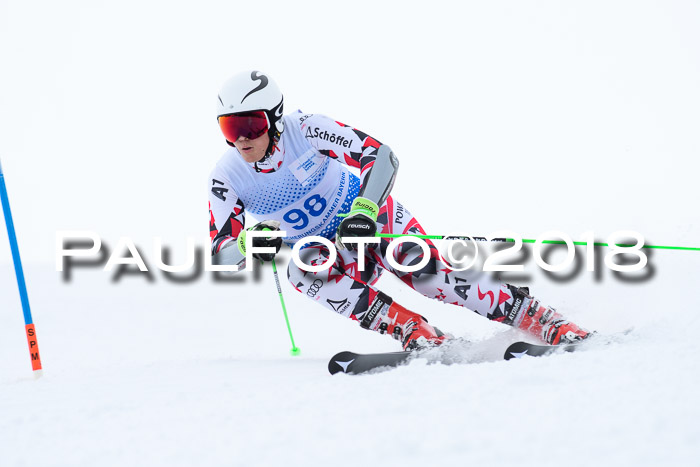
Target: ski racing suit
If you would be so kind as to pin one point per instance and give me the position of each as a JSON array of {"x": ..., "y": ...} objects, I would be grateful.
[{"x": 305, "y": 184}]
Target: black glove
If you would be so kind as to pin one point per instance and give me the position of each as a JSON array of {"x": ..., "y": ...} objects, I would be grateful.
[
  {"x": 360, "y": 222},
  {"x": 275, "y": 242}
]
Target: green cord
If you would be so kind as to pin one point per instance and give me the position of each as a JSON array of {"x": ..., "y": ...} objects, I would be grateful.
[{"x": 295, "y": 350}]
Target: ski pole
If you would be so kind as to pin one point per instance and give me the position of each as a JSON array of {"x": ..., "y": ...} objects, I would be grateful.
[
  {"x": 447, "y": 237},
  {"x": 19, "y": 273},
  {"x": 527, "y": 240},
  {"x": 295, "y": 350}
]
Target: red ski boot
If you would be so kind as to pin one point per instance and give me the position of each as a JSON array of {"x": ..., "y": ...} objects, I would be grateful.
[
  {"x": 388, "y": 317},
  {"x": 545, "y": 322}
]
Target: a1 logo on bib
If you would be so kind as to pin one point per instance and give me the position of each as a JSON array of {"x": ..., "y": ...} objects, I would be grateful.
[{"x": 306, "y": 166}]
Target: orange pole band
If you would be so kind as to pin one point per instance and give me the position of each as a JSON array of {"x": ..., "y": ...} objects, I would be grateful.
[{"x": 33, "y": 347}]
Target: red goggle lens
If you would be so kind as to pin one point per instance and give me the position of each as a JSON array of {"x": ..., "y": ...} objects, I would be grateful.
[{"x": 250, "y": 125}]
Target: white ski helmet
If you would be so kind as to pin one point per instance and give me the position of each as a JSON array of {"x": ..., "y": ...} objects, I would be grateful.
[{"x": 252, "y": 91}]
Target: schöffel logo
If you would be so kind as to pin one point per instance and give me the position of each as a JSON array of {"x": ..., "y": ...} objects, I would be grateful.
[
  {"x": 256, "y": 76},
  {"x": 330, "y": 137},
  {"x": 338, "y": 305}
]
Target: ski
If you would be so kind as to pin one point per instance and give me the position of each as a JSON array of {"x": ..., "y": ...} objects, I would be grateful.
[
  {"x": 356, "y": 363},
  {"x": 522, "y": 349},
  {"x": 458, "y": 352},
  {"x": 462, "y": 351}
]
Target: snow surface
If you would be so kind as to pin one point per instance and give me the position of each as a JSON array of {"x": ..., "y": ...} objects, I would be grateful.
[
  {"x": 573, "y": 117},
  {"x": 147, "y": 374}
]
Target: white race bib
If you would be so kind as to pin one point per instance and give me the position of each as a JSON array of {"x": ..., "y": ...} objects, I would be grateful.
[{"x": 306, "y": 166}]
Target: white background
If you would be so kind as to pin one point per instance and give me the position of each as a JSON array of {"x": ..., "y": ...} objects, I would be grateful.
[{"x": 527, "y": 116}]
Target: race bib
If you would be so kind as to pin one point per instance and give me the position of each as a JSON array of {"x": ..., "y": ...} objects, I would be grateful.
[{"x": 306, "y": 166}]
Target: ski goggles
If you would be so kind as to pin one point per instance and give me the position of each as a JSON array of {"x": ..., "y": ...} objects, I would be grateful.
[{"x": 250, "y": 125}]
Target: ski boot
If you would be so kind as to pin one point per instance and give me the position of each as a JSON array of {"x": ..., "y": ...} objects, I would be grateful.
[
  {"x": 388, "y": 317},
  {"x": 544, "y": 322}
]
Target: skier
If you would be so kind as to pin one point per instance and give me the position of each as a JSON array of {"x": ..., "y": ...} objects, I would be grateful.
[{"x": 293, "y": 172}]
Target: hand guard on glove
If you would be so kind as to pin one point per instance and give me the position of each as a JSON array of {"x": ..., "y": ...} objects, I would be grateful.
[
  {"x": 361, "y": 221},
  {"x": 275, "y": 242}
]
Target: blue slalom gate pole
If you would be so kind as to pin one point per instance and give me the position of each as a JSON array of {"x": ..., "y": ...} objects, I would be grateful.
[{"x": 28, "y": 323}]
